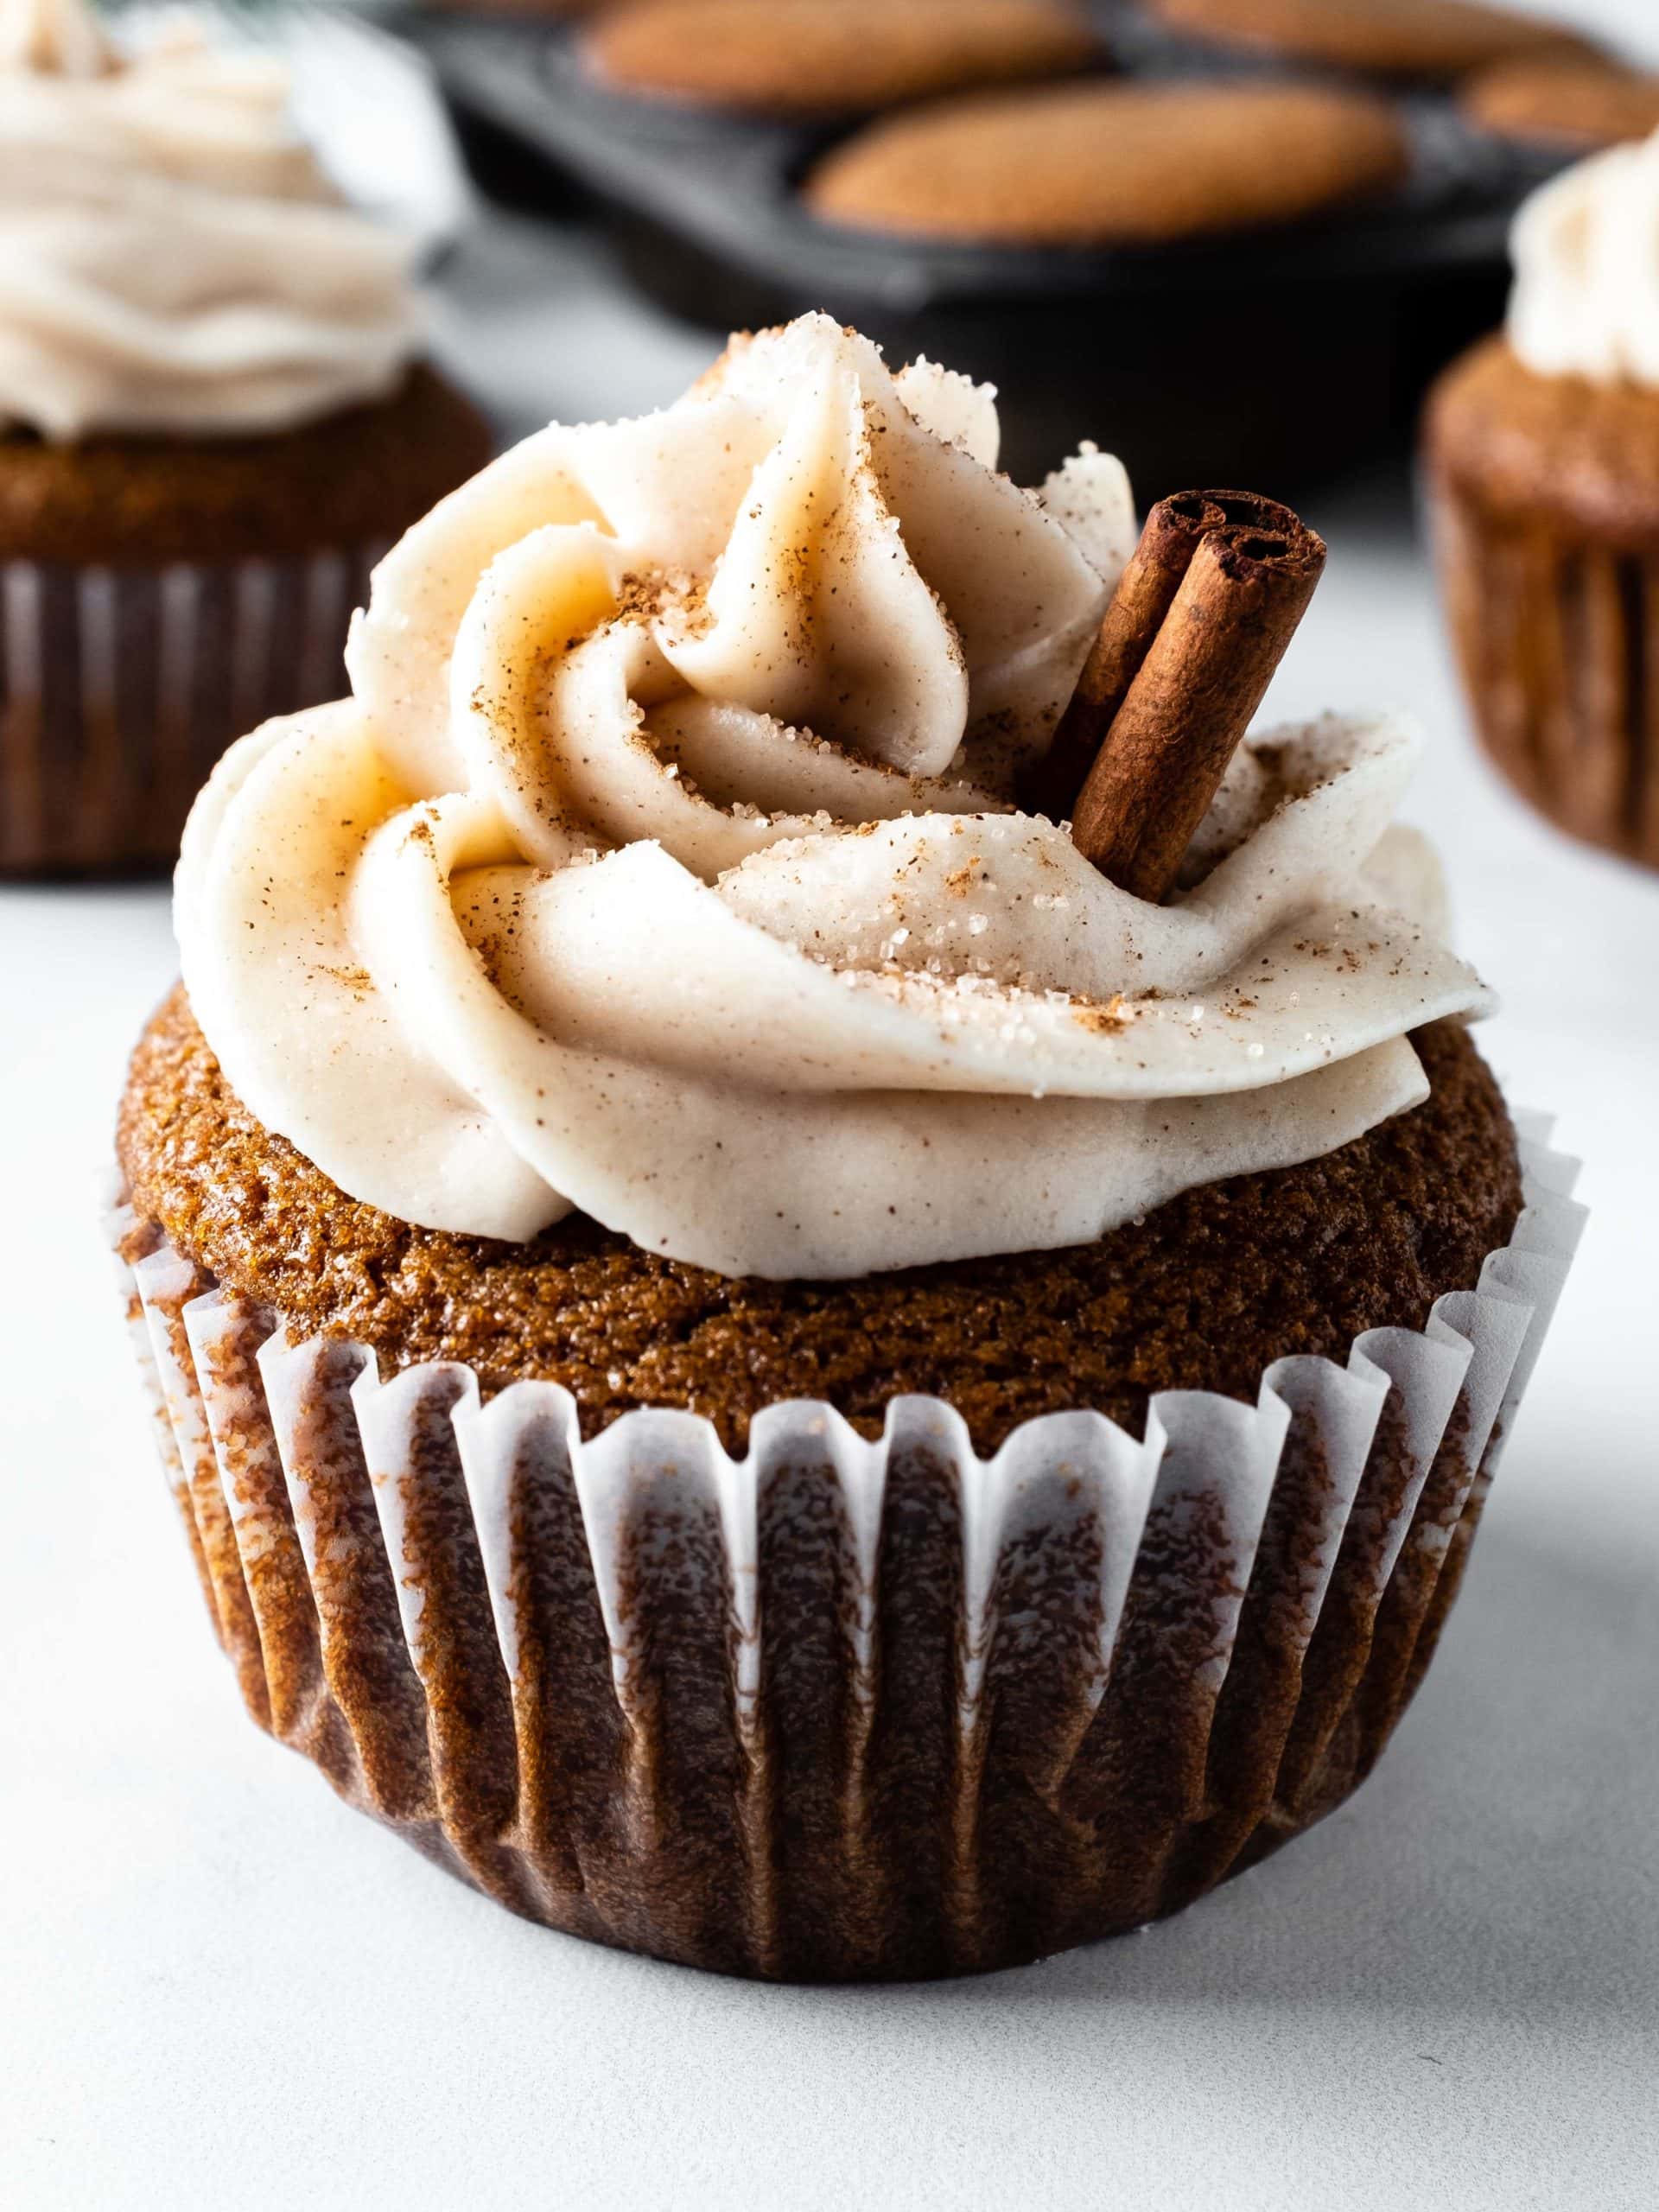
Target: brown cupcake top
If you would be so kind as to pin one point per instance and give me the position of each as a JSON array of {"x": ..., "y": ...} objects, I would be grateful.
[
  {"x": 1103, "y": 163},
  {"x": 1521, "y": 444},
  {"x": 1403, "y": 38},
  {"x": 364, "y": 473},
  {"x": 810, "y": 57},
  {"x": 1200, "y": 1295},
  {"x": 1563, "y": 102}
]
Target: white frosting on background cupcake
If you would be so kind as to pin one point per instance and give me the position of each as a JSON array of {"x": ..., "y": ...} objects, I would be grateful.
[
  {"x": 172, "y": 258},
  {"x": 1585, "y": 300}
]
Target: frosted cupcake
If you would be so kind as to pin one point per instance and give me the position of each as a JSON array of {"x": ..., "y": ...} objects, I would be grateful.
[
  {"x": 640, "y": 1027},
  {"x": 213, "y": 419},
  {"x": 1542, "y": 455}
]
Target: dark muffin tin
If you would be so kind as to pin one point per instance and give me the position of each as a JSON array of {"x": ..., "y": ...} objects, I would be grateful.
[{"x": 1276, "y": 356}]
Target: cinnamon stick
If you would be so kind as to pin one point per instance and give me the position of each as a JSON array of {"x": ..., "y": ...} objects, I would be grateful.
[
  {"x": 1138, "y": 607},
  {"x": 1199, "y": 624}
]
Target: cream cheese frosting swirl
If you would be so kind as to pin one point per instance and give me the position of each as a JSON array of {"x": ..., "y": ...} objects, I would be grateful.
[
  {"x": 662, "y": 864},
  {"x": 172, "y": 258},
  {"x": 1585, "y": 246}
]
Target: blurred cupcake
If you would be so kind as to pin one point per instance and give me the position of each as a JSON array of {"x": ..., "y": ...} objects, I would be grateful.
[
  {"x": 1542, "y": 453},
  {"x": 212, "y": 420},
  {"x": 1426, "y": 39},
  {"x": 638, "y": 1028},
  {"x": 1562, "y": 102},
  {"x": 825, "y": 57},
  {"x": 1105, "y": 163}
]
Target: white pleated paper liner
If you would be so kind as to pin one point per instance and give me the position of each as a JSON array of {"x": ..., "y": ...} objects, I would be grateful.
[
  {"x": 120, "y": 687},
  {"x": 837, "y": 1709}
]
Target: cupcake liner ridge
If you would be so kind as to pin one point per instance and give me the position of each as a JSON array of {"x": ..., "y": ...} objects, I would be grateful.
[
  {"x": 120, "y": 687},
  {"x": 835, "y": 1708}
]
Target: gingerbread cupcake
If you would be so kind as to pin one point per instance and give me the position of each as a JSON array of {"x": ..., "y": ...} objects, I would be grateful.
[
  {"x": 1424, "y": 39},
  {"x": 826, "y": 57},
  {"x": 1542, "y": 459},
  {"x": 214, "y": 418},
  {"x": 1572, "y": 103},
  {"x": 778, "y": 1357},
  {"x": 1111, "y": 164}
]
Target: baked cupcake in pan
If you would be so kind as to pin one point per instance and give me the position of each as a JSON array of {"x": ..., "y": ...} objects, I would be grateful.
[
  {"x": 214, "y": 416},
  {"x": 1407, "y": 39},
  {"x": 758, "y": 1355},
  {"x": 1094, "y": 163},
  {"x": 827, "y": 57},
  {"x": 1541, "y": 453},
  {"x": 1556, "y": 103}
]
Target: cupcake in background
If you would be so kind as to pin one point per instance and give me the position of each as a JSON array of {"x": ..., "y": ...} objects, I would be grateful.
[
  {"x": 213, "y": 419},
  {"x": 1542, "y": 456},
  {"x": 829, "y": 57},
  {"x": 1563, "y": 102},
  {"x": 1432, "y": 40}
]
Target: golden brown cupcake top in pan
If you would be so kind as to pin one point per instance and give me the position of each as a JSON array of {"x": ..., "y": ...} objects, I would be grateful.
[
  {"x": 1403, "y": 38},
  {"x": 815, "y": 57},
  {"x": 1106, "y": 163},
  {"x": 1200, "y": 1295},
  {"x": 358, "y": 475},
  {"x": 1564, "y": 102},
  {"x": 531, "y": 10}
]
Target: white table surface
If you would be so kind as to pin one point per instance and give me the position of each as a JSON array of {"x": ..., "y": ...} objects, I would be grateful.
[{"x": 219, "y": 1987}]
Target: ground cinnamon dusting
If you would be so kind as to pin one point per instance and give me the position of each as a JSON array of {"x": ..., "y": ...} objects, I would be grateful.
[{"x": 1201, "y": 1295}]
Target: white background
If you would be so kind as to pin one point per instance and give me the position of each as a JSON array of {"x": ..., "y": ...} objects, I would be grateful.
[{"x": 218, "y": 1986}]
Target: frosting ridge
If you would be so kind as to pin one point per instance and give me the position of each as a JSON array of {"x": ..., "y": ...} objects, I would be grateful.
[{"x": 665, "y": 862}]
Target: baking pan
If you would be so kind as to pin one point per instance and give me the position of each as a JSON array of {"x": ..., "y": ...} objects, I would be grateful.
[{"x": 1276, "y": 356}]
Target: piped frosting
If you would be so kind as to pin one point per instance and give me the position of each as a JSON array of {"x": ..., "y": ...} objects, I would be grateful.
[
  {"x": 665, "y": 863},
  {"x": 172, "y": 257}
]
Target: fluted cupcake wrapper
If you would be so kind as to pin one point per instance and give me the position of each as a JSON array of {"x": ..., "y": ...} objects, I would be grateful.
[
  {"x": 1557, "y": 638},
  {"x": 120, "y": 687},
  {"x": 840, "y": 1708}
]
